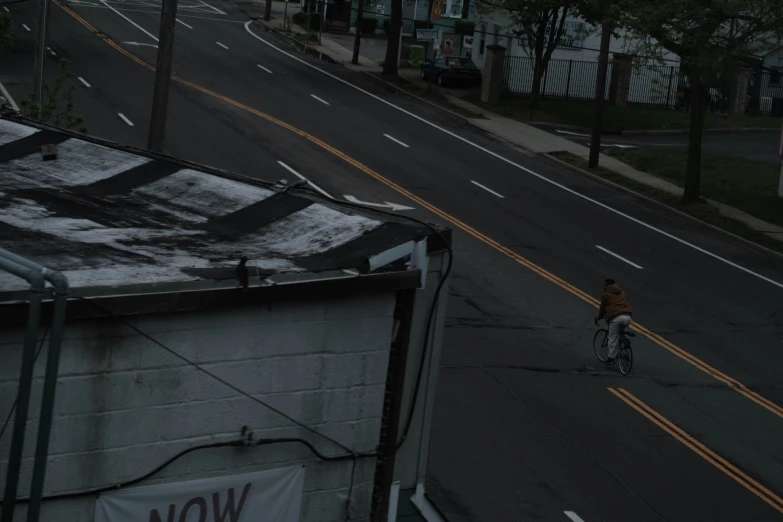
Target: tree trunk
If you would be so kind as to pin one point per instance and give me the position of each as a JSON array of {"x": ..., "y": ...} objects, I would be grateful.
[
  {"x": 600, "y": 94},
  {"x": 692, "y": 193},
  {"x": 535, "y": 89},
  {"x": 393, "y": 44}
]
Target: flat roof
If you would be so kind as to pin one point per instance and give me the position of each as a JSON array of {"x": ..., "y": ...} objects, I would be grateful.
[{"x": 119, "y": 220}]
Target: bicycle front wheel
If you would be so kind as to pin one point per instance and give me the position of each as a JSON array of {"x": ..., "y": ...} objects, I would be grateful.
[
  {"x": 601, "y": 344},
  {"x": 625, "y": 358}
]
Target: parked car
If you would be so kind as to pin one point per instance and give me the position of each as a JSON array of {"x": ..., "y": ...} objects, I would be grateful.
[{"x": 450, "y": 70}]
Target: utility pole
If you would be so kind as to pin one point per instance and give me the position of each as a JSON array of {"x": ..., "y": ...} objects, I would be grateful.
[
  {"x": 357, "y": 40},
  {"x": 268, "y": 11},
  {"x": 600, "y": 93},
  {"x": 40, "y": 51},
  {"x": 160, "y": 100}
]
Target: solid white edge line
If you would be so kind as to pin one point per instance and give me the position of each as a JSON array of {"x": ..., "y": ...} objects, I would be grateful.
[
  {"x": 573, "y": 516},
  {"x": 525, "y": 169},
  {"x": 395, "y": 140},
  {"x": 134, "y": 24},
  {"x": 621, "y": 258},
  {"x": 183, "y": 23},
  {"x": 488, "y": 189},
  {"x": 125, "y": 119},
  {"x": 264, "y": 68},
  {"x": 221, "y": 45},
  {"x": 84, "y": 81},
  {"x": 320, "y": 100},
  {"x": 26, "y": 28},
  {"x": 295, "y": 173}
]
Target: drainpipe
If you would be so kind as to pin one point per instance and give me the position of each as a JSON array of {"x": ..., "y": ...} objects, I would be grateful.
[
  {"x": 60, "y": 284},
  {"x": 37, "y": 284}
]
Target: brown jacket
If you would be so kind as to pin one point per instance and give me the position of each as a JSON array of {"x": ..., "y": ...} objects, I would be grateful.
[{"x": 613, "y": 303}]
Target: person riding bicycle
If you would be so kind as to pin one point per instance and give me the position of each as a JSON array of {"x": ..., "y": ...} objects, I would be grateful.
[{"x": 617, "y": 312}]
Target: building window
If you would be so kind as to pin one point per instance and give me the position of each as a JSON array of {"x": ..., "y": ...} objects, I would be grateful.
[{"x": 453, "y": 9}]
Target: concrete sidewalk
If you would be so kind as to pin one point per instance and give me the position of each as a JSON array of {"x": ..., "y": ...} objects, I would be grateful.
[{"x": 337, "y": 47}]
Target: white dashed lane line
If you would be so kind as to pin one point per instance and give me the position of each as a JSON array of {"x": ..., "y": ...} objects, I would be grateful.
[
  {"x": 320, "y": 100},
  {"x": 221, "y": 45},
  {"x": 488, "y": 189},
  {"x": 183, "y": 23},
  {"x": 26, "y": 28},
  {"x": 264, "y": 68},
  {"x": 84, "y": 82},
  {"x": 125, "y": 119},
  {"x": 398, "y": 142},
  {"x": 621, "y": 258},
  {"x": 295, "y": 173}
]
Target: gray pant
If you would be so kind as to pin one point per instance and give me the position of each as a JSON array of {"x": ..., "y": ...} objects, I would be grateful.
[{"x": 618, "y": 325}]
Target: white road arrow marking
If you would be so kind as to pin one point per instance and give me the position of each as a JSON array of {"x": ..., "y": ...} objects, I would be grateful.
[
  {"x": 572, "y": 133},
  {"x": 141, "y": 44},
  {"x": 390, "y": 206}
]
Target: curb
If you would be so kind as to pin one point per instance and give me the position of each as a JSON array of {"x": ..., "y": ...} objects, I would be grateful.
[
  {"x": 657, "y": 132},
  {"x": 600, "y": 179},
  {"x": 296, "y": 42}
]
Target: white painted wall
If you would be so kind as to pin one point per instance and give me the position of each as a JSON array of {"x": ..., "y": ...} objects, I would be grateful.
[
  {"x": 648, "y": 86},
  {"x": 125, "y": 405}
]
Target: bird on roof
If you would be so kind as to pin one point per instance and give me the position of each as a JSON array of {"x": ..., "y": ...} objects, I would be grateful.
[{"x": 242, "y": 273}]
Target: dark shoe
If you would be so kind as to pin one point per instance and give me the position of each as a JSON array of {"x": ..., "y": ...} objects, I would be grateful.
[{"x": 610, "y": 362}]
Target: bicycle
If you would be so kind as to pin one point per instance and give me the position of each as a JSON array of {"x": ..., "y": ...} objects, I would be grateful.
[{"x": 624, "y": 353}]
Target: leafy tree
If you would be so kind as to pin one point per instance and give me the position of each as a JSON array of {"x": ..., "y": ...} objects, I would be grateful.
[
  {"x": 539, "y": 23},
  {"x": 711, "y": 37},
  {"x": 57, "y": 106},
  {"x": 6, "y": 33}
]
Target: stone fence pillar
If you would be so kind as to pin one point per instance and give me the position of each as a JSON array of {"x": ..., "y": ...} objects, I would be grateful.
[{"x": 492, "y": 77}]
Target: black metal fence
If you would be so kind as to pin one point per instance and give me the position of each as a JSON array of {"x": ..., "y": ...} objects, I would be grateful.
[{"x": 575, "y": 80}]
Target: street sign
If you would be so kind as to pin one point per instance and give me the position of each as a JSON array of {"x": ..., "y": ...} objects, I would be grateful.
[{"x": 426, "y": 35}]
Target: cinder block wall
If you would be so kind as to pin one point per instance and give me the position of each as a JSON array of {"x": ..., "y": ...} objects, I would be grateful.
[{"x": 125, "y": 405}]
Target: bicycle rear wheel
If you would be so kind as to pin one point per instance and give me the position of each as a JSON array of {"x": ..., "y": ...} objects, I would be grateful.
[
  {"x": 625, "y": 357},
  {"x": 601, "y": 344}
]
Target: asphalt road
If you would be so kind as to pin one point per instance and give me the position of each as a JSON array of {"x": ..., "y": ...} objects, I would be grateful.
[
  {"x": 756, "y": 146},
  {"x": 528, "y": 424}
]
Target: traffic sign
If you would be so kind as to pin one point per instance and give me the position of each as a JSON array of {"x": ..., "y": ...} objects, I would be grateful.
[{"x": 426, "y": 35}]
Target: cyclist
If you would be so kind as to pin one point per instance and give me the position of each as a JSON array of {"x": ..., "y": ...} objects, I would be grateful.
[{"x": 617, "y": 312}]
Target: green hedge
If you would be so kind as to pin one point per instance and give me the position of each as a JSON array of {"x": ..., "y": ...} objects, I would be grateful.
[
  {"x": 368, "y": 25},
  {"x": 467, "y": 28},
  {"x": 300, "y": 19},
  {"x": 422, "y": 24}
]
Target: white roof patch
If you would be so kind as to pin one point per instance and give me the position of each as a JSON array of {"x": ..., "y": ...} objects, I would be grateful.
[
  {"x": 10, "y": 131},
  {"x": 202, "y": 195},
  {"x": 78, "y": 163}
]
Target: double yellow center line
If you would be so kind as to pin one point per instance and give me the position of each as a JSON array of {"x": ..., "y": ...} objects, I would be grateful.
[{"x": 700, "y": 449}]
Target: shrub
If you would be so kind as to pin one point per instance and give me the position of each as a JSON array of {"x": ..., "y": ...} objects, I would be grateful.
[
  {"x": 467, "y": 28},
  {"x": 368, "y": 25},
  {"x": 300, "y": 19},
  {"x": 422, "y": 24}
]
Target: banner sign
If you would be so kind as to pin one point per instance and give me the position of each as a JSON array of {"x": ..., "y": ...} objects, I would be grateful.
[
  {"x": 426, "y": 35},
  {"x": 572, "y": 35},
  {"x": 265, "y": 495}
]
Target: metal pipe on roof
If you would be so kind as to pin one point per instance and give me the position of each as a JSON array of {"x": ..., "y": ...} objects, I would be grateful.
[
  {"x": 61, "y": 287},
  {"x": 37, "y": 286}
]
